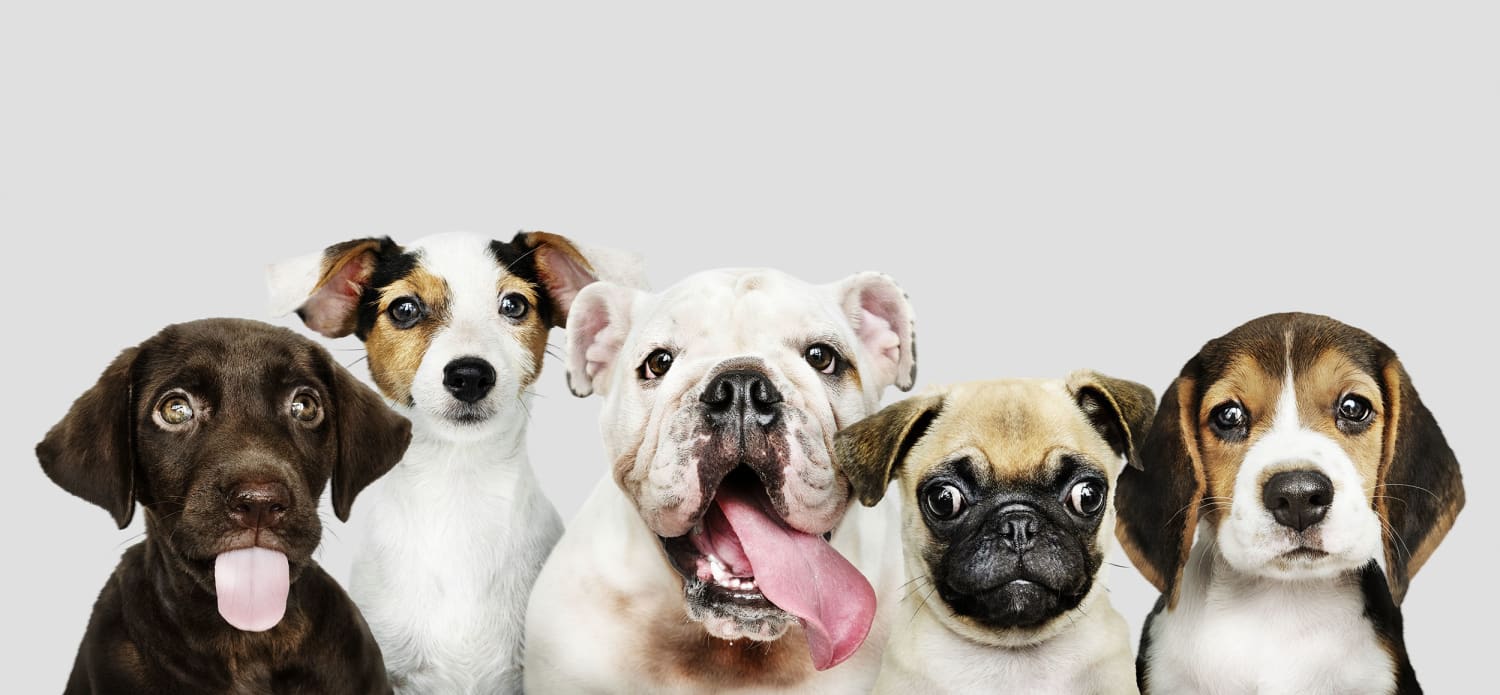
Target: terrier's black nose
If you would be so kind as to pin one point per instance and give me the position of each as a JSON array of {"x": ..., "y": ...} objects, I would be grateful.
[{"x": 469, "y": 378}]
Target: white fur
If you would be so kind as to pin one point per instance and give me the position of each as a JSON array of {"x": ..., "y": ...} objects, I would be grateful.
[
  {"x": 579, "y": 639},
  {"x": 459, "y": 528},
  {"x": 1249, "y": 622},
  {"x": 1092, "y": 655}
]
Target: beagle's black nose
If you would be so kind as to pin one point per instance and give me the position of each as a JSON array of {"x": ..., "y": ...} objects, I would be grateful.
[
  {"x": 1298, "y": 499},
  {"x": 258, "y": 505},
  {"x": 469, "y": 378},
  {"x": 742, "y": 395}
]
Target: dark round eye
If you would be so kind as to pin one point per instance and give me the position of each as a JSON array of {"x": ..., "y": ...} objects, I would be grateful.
[
  {"x": 1086, "y": 497},
  {"x": 944, "y": 501},
  {"x": 175, "y": 410},
  {"x": 305, "y": 407},
  {"x": 1229, "y": 420},
  {"x": 405, "y": 312},
  {"x": 1355, "y": 409},
  {"x": 514, "y": 306},
  {"x": 822, "y": 357},
  {"x": 657, "y": 363}
]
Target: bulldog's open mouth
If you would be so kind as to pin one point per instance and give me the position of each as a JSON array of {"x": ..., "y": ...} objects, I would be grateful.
[{"x": 743, "y": 561}]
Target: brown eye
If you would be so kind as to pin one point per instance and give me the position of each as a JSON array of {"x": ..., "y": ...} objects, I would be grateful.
[
  {"x": 822, "y": 357},
  {"x": 944, "y": 501},
  {"x": 1086, "y": 497},
  {"x": 405, "y": 312},
  {"x": 657, "y": 363},
  {"x": 1230, "y": 421},
  {"x": 305, "y": 407},
  {"x": 175, "y": 410},
  {"x": 514, "y": 307}
]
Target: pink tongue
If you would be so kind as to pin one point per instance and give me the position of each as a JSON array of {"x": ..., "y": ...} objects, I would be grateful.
[
  {"x": 252, "y": 584},
  {"x": 804, "y": 576}
]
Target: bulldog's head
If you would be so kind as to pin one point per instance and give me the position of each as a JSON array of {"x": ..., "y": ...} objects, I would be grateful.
[{"x": 722, "y": 398}]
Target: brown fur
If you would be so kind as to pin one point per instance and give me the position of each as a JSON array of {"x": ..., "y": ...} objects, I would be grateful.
[
  {"x": 395, "y": 353},
  {"x": 531, "y": 332},
  {"x": 1185, "y": 460}
]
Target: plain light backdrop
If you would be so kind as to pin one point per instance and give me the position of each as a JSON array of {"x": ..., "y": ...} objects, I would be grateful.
[{"x": 1056, "y": 185}]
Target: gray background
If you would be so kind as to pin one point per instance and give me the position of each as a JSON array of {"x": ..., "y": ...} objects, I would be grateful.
[{"x": 1056, "y": 187}]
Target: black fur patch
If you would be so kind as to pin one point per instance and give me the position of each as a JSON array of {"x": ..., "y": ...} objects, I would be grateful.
[
  {"x": 391, "y": 264},
  {"x": 519, "y": 260},
  {"x": 1382, "y": 612}
]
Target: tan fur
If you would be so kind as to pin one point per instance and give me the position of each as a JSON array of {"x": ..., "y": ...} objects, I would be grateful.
[
  {"x": 1257, "y": 387},
  {"x": 1320, "y": 389},
  {"x": 395, "y": 354},
  {"x": 530, "y": 332}
]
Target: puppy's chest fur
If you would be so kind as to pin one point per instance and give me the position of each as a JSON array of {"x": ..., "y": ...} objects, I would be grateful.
[
  {"x": 456, "y": 538},
  {"x": 1237, "y": 634}
]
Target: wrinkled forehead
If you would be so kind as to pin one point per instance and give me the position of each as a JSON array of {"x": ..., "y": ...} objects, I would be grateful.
[
  {"x": 1023, "y": 428},
  {"x": 734, "y": 311}
]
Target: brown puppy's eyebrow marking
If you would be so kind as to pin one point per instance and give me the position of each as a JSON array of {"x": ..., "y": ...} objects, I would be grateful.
[
  {"x": 1332, "y": 375},
  {"x": 395, "y": 353}
]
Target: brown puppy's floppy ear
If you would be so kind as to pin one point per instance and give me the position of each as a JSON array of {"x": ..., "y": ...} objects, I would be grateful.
[
  {"x": 91, "y": 451},
  {"x": 1156, "y": 504},
  {"x": 565, "y": 268},
  {"x": 1420, "y": 489},
  {"x": 1119, "y": 410},
  {"x": 372, "y": 438},
  {"x": 869, "y": 451},
  {"x": 325, "y": 288}
]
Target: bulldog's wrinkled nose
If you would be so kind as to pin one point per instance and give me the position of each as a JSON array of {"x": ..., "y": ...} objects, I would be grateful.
[
  {"x": 258, "y": 505},
  {"x": 469, "y": 378},
  {"x": 742, "y": 396},
  {"x": 1298, "y": 499}
]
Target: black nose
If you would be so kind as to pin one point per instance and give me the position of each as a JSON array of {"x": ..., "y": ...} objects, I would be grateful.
[
  {"x": 1298, "y": 499},
  {"x": 469, "y": 378},
  {"x": 1017, "y": 529},
  {"x": 258, "y": 505},
  {"x": 742, "y": 395}
]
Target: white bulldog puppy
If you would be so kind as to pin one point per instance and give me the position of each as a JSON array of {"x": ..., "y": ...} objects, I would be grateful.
[{"x": 724, "y": 555}]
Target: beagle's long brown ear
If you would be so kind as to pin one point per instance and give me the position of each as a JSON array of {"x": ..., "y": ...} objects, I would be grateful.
[
  {"x": 325, "y": 288},
  {"x": 1420, "y": 489},
  {"x": 869, "y": 451},
  {"x": 91, "y": 451},
  {"x": 1119, "y": 410},
  {"x": 372, "y": 438},
  {"x": 1156, "y": 504}
]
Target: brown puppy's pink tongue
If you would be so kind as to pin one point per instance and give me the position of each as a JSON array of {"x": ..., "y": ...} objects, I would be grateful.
[
  {"x": 803, "y": 575},
  {"x": 252, "y": 584}
]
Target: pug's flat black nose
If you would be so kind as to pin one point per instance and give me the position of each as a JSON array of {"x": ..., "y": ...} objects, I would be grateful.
[
  {"x": 1298, "y": 499},
  {"x": 743, "y": 395},
  {"x": 258, "y": 505},
  {"x": 1017, "y": 529},
  {"x": 469, "y": 378}
]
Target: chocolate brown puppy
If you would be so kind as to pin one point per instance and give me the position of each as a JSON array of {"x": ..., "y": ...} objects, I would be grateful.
[{"x": 226, "y": 432}]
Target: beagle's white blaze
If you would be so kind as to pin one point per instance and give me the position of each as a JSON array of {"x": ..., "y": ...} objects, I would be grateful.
[{"x": 1253, "y": 542}]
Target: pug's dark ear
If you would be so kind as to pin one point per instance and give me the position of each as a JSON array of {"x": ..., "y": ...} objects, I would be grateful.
[
  {"x": 91, "y": 451},
  {"x": 1156, "y": 505},
  {"x": 869, "y": 451},
  {"x": 1420, "y": 489},
  {"x": 1119, "y": 410},
  {"x": 326, "y": 287},
  {"x": 372, "y": 438}
]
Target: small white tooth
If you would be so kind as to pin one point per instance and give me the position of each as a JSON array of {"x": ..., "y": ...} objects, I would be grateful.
[{"x": 748, "y": 585}]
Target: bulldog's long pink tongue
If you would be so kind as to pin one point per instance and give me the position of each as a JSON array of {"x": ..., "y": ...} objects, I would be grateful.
[
  {"x": 252, "y": 584},
  {"x": 803, "y": 575}
]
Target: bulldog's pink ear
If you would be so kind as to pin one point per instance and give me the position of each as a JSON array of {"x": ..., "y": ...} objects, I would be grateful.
[
  {"x": 882, "y": 317},
  {"x": 598, "y": 324}
]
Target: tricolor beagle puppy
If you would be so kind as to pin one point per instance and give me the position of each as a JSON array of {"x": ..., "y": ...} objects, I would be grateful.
[{"x": 1299, "y": 452}]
